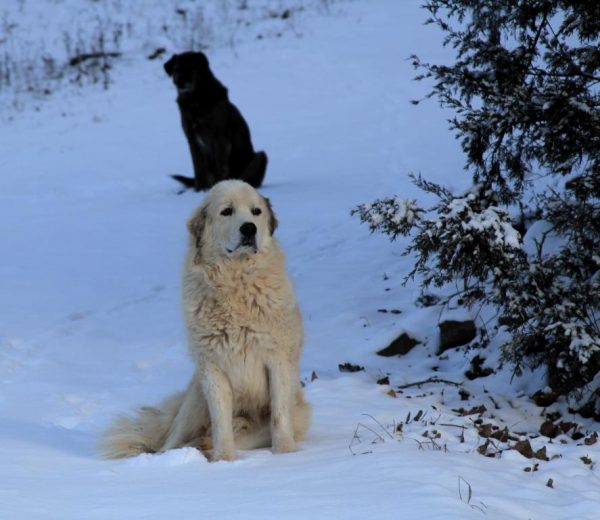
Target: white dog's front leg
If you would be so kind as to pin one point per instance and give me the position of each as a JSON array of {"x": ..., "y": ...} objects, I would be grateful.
[
  {"x": 282, "y": 388},
  {"x": 219, "y": 397}
]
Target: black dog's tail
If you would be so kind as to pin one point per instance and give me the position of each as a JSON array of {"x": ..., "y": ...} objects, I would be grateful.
[{"x": 188, "y": 182}]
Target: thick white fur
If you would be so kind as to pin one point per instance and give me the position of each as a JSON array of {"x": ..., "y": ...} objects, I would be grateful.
[{"x": 245, "y": 336}]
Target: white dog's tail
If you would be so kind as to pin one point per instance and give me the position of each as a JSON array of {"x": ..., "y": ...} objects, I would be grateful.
[{"x": 146, "y": 433}]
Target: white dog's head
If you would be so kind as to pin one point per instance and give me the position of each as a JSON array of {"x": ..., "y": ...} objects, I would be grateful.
[{"x": 233, "y": 221}]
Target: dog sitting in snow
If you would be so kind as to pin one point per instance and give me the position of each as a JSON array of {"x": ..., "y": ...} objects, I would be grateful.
[
  {"x": 245, "y": 336},
  {"x": 217, "y": 134}
]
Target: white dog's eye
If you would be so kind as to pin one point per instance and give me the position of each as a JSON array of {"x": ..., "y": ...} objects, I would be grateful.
[
  {"x": 227, "y": 212},
  {"x": 256, "y": 211}
]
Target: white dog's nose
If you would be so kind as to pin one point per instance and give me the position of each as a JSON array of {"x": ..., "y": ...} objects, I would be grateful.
[{"x": 248, "y": 229}]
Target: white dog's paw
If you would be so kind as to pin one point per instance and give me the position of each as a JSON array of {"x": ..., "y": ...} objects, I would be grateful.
[
  {"x": 223, "y": 455},
  {"x": 284, "y": 444}
]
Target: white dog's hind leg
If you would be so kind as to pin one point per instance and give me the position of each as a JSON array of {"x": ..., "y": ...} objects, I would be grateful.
[
  {"x": 219, "y": 396},
  {"x": 191, "y": 417},
  {"x": 283, "y": 389}
]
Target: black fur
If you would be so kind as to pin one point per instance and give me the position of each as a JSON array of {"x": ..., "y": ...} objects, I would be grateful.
[{"x": 217, "y": 134}]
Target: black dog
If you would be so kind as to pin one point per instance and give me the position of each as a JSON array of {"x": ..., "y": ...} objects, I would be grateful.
[{"x": 217, "y": 133}]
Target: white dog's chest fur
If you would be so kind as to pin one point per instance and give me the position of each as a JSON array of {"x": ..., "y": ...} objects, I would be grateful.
[{"x": 237, "y": 320}]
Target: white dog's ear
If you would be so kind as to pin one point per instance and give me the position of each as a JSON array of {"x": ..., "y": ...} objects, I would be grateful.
[
  {"x": 273, "y": 223},
  {"x": 196, "y": 227}
]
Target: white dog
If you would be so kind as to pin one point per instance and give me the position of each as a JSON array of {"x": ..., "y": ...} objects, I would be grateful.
[{"x": 245, "y": 336}]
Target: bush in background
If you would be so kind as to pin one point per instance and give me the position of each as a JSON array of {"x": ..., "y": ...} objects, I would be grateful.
[
  {"x": 45, "y": 44},
  {"x": 525, "y": 238}
]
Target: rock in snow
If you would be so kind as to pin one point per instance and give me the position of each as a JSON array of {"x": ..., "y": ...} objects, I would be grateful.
[
  {"x": 456, "y": 334},
  {"x": 400, "y": 346}
]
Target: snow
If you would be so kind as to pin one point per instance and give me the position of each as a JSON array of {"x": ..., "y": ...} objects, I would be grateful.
[
  {"x": 93, "y": 236},
  {"x": 407, "y": 211},
  {"x": 491, "y": 218}
]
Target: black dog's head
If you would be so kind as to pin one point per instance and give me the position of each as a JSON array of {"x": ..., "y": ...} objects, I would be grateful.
[{"x": 189, "y": 70}]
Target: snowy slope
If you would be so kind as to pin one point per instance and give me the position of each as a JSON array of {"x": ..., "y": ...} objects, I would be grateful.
[{"x": 93, "y": 236}]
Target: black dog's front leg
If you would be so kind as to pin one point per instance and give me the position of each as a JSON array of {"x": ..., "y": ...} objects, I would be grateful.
[
  {"x": 203, "y": 176},
  {"x": 222, "y": 153},
  {"x": 200, "y": 152}
]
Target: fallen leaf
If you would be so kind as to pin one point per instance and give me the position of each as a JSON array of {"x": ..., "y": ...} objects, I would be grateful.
[
  {"x": 483, "y": 448},
  {"x": 541, "y": 454},
  {"x": 592, "y": 439},
  {"x": 314, "y": 376},
  {"x": 524, "y": 448},
  {"x": 476, "y": 409},
  {"x": 485, "y": 430},
  {"x": 565, "y": 426},
  {"x": 549, "y": 429},
  {"x": 349, "y": 367},
  {"x": 501, "y": 435},
  {"x": 545, "y": 398},
  {"x": 464, "y": 395},
  {"x": 577, "y": 435},
  {"x": 391, "y": 393},
  {"x": 550, "y": 483}
]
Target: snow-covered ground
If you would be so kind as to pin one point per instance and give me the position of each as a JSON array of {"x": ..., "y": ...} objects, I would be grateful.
[{"x": 92, "y": 236}]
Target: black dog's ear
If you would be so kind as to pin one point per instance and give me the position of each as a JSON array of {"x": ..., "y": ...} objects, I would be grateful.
[
  {"x": 169, "y": 65},
  {"x": 201, "y": 60},
  {"x": 273, "y": 222},
  {"x": 196, "y": 227}
]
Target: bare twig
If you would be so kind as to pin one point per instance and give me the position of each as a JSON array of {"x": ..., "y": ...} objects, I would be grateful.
[
  {"x": 453, "y": 425},
  {"x": 433, "y": 379},
  {"x": 433, "y": 423},
  {"x": 429, "y": 442},
  {"x": 470, "y": 496},
  {"x": 76, "y": 60},
  {"x": 460, "y": 479},
  {"x": 356, "y": 437},
  {"x": 380, "y": 425},
  {"x": 372, "y": 431}
]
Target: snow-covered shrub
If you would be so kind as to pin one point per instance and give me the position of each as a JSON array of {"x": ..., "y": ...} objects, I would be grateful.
[
  {"x": 525, "y": 88},
  {"x": 449, "y": 236}
]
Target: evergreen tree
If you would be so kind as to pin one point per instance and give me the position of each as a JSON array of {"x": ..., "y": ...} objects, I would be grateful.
[{"x": 525, "y": 91}]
